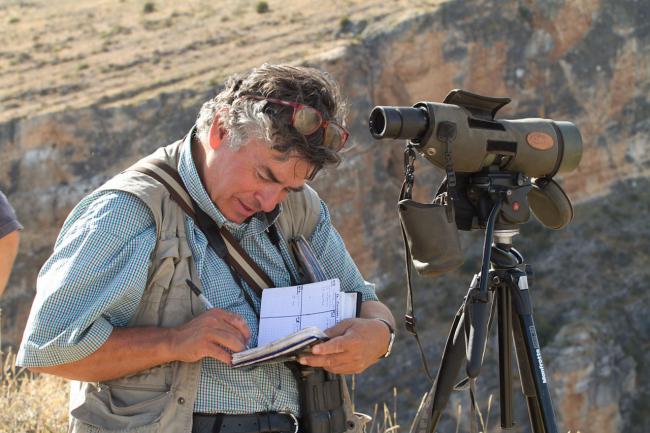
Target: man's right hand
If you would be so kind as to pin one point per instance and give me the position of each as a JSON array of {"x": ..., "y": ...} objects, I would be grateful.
[
  {"x": 210, "y": 334},
  {"x": 130, "y": 350}
]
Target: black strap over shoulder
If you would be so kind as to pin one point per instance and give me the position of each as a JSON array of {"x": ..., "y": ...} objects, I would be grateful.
[{"x": 219, "y": 238}]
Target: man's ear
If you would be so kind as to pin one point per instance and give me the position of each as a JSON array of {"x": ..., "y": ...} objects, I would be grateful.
[{"x": 217, "y": 132}]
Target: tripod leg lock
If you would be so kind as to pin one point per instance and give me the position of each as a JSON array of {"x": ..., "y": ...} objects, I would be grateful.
[{"x": 475, "y": 296}]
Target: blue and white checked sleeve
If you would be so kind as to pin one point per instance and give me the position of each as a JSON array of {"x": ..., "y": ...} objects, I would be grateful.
[
  {"x": 335, "y": 259},
  {"x": 92, "y": 282}
]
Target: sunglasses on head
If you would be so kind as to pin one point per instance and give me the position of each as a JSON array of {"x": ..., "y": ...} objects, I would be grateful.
[{"x": 307, "y": 120}]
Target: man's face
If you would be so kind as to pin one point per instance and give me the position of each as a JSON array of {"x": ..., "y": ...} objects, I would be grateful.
[{"x": 253, "y": 178}]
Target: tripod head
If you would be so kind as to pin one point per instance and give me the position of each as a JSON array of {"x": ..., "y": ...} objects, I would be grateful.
[{"x": 479, "y": 192}]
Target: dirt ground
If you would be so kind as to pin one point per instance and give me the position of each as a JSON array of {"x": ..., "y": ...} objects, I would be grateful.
[{"x": 64, "y": 54}]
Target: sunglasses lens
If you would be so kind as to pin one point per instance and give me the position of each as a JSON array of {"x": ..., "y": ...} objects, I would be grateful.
[
  {"x": 335, "y": 136},
  {"x": 307, "y": 120}
]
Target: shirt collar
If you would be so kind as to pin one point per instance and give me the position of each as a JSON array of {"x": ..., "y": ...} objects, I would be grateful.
[{"x": 190, "y": 176}]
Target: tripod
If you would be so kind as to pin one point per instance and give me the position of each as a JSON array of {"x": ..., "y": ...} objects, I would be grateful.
[{"x": 505, "y": 287}]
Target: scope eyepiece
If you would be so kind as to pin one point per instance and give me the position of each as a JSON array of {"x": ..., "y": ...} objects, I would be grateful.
[{"x": 408, "y": 123}]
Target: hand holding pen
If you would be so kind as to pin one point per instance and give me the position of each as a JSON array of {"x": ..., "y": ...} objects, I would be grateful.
[{"x": 215, "y": 333}]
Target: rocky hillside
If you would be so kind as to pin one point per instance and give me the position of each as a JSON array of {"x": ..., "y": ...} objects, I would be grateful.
[{"x": 88, "y": 87}]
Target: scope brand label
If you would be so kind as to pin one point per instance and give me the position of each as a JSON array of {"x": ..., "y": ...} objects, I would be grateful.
[{"x": 540, "y": 140}]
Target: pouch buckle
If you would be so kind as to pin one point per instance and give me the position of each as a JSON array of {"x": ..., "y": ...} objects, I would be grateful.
[{"x": 294, "y": 419}]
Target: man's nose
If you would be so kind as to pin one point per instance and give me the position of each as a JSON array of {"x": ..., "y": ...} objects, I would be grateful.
[{"x": 269, "y": 198}]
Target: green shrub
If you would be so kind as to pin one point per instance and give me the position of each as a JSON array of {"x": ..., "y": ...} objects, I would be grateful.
[
  {"x": 149, "y": 7},
  {"x": 262, "y": 7}
]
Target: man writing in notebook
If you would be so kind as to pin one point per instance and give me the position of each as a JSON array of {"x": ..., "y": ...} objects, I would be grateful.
[{"x": 113, "y": 311}]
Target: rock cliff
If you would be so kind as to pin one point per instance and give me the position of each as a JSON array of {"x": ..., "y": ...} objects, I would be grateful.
[{"x": 585, "y": 61}]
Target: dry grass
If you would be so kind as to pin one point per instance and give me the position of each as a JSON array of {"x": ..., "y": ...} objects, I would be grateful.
[
  {"x": 31, "y": 403},
  {"x": 384, "y": 420}
]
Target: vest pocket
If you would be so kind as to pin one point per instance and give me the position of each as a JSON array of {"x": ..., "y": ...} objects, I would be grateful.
[
  {"x": 167, "y": 300},
  {"x": 125, "y": 400},
  {"x": 128, "y": 404}
]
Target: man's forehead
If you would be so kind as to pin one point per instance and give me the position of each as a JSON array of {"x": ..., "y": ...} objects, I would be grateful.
[{"x": 288, "y": 168}]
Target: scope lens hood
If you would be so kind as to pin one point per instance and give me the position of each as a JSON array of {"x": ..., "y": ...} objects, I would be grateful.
[{"x": 550, "y": 204}]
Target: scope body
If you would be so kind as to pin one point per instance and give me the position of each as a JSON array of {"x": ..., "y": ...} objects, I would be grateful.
[{"x": 534, "y": 147}]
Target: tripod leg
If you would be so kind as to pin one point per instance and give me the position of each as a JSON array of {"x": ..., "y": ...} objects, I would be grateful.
[
  {"x": 504, "y": 299},
  {"x": 431, "y": 409},
  {"x": 529, "y": 359},
  {"x": 478, "y": 315}
]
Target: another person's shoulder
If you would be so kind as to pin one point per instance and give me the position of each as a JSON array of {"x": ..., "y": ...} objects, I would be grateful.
[{"x": 8, "y": 220}]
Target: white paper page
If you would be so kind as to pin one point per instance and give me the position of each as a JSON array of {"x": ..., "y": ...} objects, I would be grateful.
[
  {"x": 322, "y": 320},
  {"x": 289, "y": 309},
  {"x": 347, "y": 305}
]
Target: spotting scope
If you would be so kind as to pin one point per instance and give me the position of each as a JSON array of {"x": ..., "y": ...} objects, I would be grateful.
[{"x": 534, "y": 147}]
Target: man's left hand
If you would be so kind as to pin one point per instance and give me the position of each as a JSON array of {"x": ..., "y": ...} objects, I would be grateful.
[{"x": 354, "y": 345}]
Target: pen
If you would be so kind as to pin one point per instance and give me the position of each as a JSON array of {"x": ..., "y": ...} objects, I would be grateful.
[
  {"x": 206, "y": 303},
  {"x": 201, "y": 296}
]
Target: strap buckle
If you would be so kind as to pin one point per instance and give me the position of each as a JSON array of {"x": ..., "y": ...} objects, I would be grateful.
[
  {"x": 409, "y": 324},
  {"x": 294, "y": 419}
]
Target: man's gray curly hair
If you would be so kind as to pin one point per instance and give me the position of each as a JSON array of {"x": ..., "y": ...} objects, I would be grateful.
[{"x": 245, "y": 118}]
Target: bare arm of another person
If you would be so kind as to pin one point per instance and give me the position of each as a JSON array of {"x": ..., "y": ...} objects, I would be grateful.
[
  {"x": 129, "y": 350},
  {"x": 8, "y": 251}
]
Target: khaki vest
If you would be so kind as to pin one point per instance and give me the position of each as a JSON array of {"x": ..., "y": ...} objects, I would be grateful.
[{"x": 161, "y": 399}]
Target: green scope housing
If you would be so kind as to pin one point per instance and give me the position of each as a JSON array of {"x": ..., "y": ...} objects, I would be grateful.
[{"x": 534, "y": 147}]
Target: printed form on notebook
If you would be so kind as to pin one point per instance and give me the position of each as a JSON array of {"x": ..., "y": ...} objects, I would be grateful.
[
  {"x": 286, "y": 310},
  {"x": 292, "y": 318}
]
